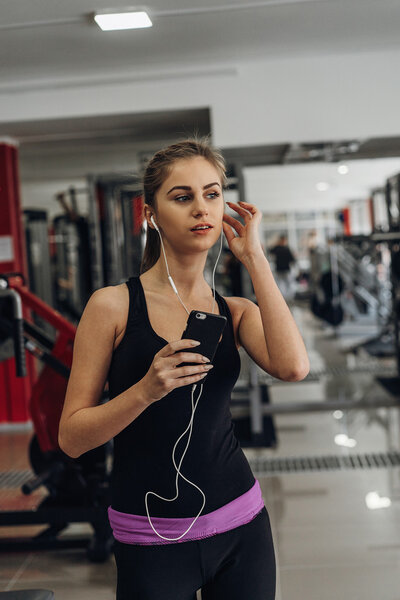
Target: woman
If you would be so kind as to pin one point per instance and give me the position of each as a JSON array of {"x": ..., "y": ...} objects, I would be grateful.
[{"x": 130, "y": 334}]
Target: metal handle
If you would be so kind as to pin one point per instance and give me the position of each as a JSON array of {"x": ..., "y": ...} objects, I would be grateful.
[
  {"x": 19, "y": 347},
  {"x": 18, "y": 330}
]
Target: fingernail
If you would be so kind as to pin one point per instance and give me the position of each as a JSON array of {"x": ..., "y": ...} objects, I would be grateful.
[
  {"x": 209, "y": 366},
  {"x": 195, "y": 343},
  {"x": 205, "y": 359}
]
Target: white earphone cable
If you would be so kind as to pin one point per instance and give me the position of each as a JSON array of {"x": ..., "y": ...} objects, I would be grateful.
[
  {"x": 190, "y": 426},
  {"x": 172, "y": 281}
]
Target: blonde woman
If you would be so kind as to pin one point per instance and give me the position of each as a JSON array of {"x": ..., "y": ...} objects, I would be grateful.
[{"x": 130, "y": 334}]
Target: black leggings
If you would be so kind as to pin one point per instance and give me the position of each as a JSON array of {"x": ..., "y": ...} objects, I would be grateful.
[{"x": 238, "y": 564}]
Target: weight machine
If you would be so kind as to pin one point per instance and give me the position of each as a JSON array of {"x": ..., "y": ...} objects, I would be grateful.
[
  {"x": 77, "y": 488},
  {"x": 366, "y": 278}
]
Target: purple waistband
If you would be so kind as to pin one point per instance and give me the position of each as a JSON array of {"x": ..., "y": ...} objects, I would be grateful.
[{"x": 136, "y": 529}]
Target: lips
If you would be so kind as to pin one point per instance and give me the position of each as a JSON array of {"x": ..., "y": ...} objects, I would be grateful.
[{"x": 202, "y": 226}]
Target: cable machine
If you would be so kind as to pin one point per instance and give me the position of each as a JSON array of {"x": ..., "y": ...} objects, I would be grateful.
[{"x": 115, "y": 224}]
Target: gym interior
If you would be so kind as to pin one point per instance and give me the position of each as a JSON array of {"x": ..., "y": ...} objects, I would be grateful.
[{"x": 301, "y": 98}]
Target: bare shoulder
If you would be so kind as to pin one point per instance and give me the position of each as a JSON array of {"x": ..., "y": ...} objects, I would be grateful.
[
  {"x": 120, "y": 301},
  {"x": 111, "y": 304},
  {"x": 111, "y": 296}
]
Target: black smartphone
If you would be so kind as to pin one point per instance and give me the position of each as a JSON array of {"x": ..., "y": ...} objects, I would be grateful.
[{"x": 207, "y": 328}]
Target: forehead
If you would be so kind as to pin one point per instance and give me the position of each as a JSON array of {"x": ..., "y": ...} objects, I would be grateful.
[{"x": 191, "y": 171}]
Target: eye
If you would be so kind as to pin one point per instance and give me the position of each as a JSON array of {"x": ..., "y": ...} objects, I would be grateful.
[
  {"x": 181, "y": 198},
  {"x": 213, "y": 194}
]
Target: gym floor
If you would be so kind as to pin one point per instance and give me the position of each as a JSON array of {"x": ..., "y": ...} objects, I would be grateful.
[{"x": 329, "y": 544}]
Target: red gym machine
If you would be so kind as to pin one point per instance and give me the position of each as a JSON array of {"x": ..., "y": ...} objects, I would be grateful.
[{"x": 77, "y": 488}]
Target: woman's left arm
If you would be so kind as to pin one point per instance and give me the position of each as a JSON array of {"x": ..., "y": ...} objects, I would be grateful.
[{"x": 268, "y": 331}]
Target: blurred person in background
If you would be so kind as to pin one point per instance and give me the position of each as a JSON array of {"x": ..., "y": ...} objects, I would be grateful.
[
  {"x": 284, "y": 260},
  {"x": 233, "y": 274}
]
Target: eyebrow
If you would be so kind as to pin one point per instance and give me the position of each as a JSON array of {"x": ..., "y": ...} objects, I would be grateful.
[{"x": 187, "y": 187}]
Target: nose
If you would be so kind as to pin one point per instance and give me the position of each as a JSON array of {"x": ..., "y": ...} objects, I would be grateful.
[{"x": 200, "y": 206}]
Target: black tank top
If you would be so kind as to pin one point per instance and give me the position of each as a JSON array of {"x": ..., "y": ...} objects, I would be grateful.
[{"x": 214, "y": 460}]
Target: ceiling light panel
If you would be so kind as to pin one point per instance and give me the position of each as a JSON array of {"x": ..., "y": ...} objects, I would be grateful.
[{"x": 126, "y": 20}]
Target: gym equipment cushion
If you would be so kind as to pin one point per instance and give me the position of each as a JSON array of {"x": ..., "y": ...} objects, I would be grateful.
[{"x": 27, "y": 595}]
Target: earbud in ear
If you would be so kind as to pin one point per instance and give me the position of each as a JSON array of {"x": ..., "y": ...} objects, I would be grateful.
[{"x": 153, "y": 221}]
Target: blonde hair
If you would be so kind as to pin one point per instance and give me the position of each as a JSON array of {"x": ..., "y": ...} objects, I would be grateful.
[{"x": 158, "y": 169}]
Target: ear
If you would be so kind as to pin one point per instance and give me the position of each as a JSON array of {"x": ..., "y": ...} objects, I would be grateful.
[{"x": 147, "y": 212}]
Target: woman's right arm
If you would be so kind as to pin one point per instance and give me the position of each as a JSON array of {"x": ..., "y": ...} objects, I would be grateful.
[{"x": 86, "y": 424}]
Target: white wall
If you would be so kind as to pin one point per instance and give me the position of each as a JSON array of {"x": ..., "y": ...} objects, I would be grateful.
[
  {"x": 41, "y": 195},
  {"x": 45, "y": 174},
  {"x": 270, "y": 101},
  {"x": 77, "y": 163},
  {"x": 285, "y": 100}
]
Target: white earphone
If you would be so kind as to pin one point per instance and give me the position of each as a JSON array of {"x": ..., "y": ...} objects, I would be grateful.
[
  {"x": 194, "y": 406},
  {"x": 154, "y": 223}
]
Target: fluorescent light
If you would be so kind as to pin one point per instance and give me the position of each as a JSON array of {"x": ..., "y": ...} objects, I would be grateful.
[
  {"x": 118, "y": 21},
  {"x": 341, "y": 439},
  {"x": 373, "y": 500},
  {"x": 322, "y": 186},
  {"x": 343, "y": 169}
]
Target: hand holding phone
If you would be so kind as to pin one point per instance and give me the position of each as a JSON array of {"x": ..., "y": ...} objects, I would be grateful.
[
  {"x": 207, "y": 328},
  {"x": 164, "y": 376},
  {"x": 204, "y": 327}
]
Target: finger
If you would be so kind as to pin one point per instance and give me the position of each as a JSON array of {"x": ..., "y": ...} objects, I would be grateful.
[
  {"x": 186, "y": 357},
  {"x": 249, "y": 209},
  {"x": 255, "y": 212},
  {"x": 228, "y": 233},
  {"x": 188, "y": 370},
  {"x": 248, "y": 206},
  {"x": 188, "y": 380},
  {"x": 175, "y": 346},
  {"x": 243, "y": 213},
  {"x": 234, "y": 223}
]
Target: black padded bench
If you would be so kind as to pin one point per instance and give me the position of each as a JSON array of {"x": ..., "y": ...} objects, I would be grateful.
[{"x": 27, "y": 595}]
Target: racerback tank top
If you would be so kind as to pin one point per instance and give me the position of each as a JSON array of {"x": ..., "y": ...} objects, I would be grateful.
[{"x": 143, "y": 450}]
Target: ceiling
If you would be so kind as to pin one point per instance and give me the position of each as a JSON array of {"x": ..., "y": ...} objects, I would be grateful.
[
  {"x": 284, "y": 188},
  {"x": 47, "y": 42},
  {"x": 54, "y": 43},
  {"x": 314, "y": 152},
  {"x": 62, "y": 136}
]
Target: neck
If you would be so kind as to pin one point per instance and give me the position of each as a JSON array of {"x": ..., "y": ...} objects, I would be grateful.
[{"x": 188, "y": 277}]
